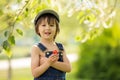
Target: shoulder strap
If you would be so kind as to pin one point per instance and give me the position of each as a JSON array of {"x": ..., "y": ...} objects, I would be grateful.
[
  {"x": 41, "y": 46},
  {"x": 60, "y": 46}
]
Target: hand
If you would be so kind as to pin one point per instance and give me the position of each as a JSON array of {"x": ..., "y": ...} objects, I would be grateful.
[{"x": 52, "y": 58}]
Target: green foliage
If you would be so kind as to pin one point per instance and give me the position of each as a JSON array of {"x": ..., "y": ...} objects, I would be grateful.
[
  {"x": 99, "y": 58},
  {"x": 19, "y": 32},
  {"x": 6, "y": 45},
  {"x": 11, "y": 40},
  {"x": 6, "y": 33},
  {"x": 19, "y": 14},
  {"x": 86, "y": 15}
]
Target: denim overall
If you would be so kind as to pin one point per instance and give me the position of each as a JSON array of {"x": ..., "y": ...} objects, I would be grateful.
[{"x": 52, "y": 73}]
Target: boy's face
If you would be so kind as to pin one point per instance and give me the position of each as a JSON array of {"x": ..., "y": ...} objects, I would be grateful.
[{"x": 47, "y": 30}]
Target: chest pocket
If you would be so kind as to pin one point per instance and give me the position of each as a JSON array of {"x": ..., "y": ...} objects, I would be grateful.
[{"x": 48, "y": 53}]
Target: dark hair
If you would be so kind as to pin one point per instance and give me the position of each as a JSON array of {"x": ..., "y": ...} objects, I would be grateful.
[
  {"x": 50, "y": 19},
  {"x": 47, "y": 11}
]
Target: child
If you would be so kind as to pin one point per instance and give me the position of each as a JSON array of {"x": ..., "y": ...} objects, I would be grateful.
[{"x": 48, "y": 58}]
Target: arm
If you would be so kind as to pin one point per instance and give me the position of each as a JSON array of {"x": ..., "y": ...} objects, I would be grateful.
[
  {"x": 63, "y": 66},
  {"x": 37, "y": 68}
]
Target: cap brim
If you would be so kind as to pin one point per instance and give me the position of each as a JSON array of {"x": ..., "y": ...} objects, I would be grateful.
[{"x": 46, "y": 12}]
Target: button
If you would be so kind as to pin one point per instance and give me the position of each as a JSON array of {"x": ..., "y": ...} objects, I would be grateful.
[
  {"x": 47, "y": 53},
  {"x": 61, "y": 54}
]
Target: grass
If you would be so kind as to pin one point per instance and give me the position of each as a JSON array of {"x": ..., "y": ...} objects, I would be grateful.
[
  {"x": 17, "y": 74},
  {"x": 25, "y": 74},
  {"x": 22, "y": 74},
  {"x": 3, "y": 75}
]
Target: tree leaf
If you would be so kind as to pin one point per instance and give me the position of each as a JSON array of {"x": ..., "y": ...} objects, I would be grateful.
[
  {"x": 19, "y": 32},
  {"x": 91, "y": 17},
  {"x": 6, "y": 33},
  {"x": 77, "y": 38},
  {"x": 6, "y": 45},
  {"x": 11, "y": 40},
  {"x": 81, "y": 20},
  {"x": 7, "y": 48},
  {"x": 8, "y": 53},
  {"x": 80, "y": 15}
]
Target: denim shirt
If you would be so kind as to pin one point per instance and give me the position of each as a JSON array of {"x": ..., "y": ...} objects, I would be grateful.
[{"x": 52, "y": 73}]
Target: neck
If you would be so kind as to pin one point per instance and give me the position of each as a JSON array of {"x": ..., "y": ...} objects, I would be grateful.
[{"x": 47, "y": 41}]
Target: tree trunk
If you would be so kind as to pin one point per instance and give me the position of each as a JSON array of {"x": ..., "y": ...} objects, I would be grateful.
[{"x": 9, "y": 69}]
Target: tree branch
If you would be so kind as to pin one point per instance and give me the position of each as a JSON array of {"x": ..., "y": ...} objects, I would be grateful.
[
  {"x": 113, "y": 6},
  {"x": 13, "y": 25}
]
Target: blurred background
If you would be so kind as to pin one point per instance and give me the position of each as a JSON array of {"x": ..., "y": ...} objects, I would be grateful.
[{"x": 89, "y": 30}]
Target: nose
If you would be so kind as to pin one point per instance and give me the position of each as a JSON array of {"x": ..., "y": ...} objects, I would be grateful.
[{"x": 47, "y": 27}]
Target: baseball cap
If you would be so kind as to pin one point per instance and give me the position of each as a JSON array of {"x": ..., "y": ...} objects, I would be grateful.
[{"x": 47, "y": 11}]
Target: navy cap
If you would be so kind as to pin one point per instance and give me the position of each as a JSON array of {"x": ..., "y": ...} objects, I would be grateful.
[{"x": 46, "y": 12}]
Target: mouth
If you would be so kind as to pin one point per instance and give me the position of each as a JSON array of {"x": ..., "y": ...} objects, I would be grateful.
[{"x": 47, "y": 33}]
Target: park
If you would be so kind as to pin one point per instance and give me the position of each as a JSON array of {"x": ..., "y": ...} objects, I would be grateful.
[{"x": 89, "y": 30}]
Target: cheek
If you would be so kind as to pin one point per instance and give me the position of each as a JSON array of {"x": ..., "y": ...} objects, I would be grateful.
[
  {"x": 55, "y": 30},
  {"x": 39, "y": 29}
]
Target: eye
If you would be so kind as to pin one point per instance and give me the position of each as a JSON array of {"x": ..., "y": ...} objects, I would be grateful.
[
  {"x": 43, "y": 25},
  {"x": 51, "y": 25}
]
